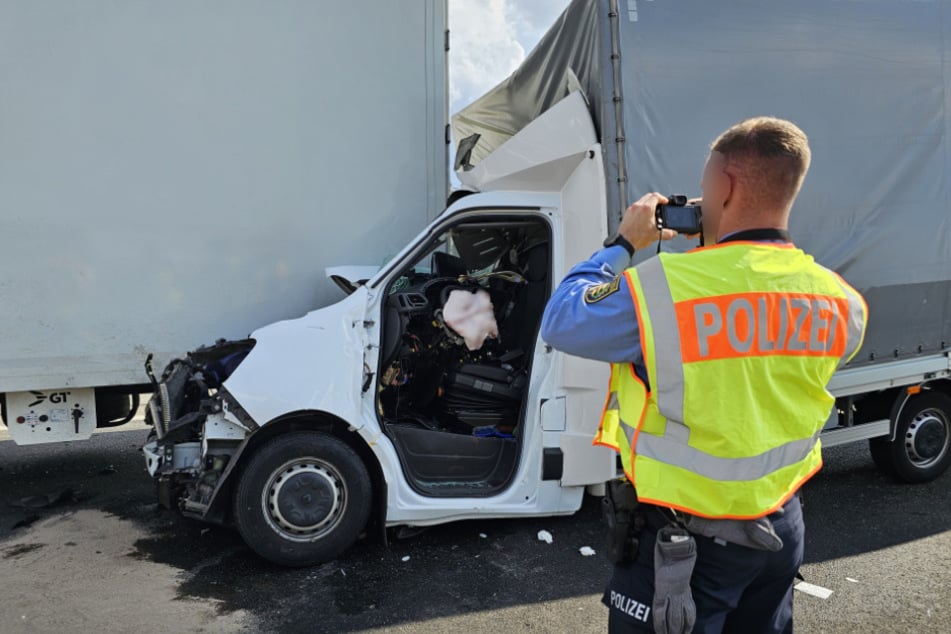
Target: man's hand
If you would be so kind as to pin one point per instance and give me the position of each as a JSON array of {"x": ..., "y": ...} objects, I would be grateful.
[{"x": 639, "y": 224}]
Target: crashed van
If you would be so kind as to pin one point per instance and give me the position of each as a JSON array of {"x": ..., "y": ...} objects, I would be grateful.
[
  {"x": 426, "y": 394},
  {"x": 423, "y": 396}
]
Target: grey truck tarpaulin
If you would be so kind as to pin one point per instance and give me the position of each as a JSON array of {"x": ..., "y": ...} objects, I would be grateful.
[{"x": 867, "y": 80}]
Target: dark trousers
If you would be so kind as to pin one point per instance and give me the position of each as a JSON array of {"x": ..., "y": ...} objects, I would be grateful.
[{"x": 736, "y": 589}]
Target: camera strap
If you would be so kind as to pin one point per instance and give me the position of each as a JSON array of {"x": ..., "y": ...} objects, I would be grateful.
[{"x": 660, "y": 237}]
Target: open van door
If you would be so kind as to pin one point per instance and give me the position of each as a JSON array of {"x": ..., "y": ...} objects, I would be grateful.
[{"x": 559, "y": 152}]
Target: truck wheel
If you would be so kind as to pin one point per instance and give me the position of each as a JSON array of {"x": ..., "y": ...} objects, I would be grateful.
[
  {"x": 303, "y": 499},
  {"x": 881, "y": 450},
  {"x": 921, "y": 450}
]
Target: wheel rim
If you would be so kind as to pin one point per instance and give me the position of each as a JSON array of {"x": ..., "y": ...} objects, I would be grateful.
[
  {"x": 928, "y": 438},
  {"x": 304, "y": 499}
]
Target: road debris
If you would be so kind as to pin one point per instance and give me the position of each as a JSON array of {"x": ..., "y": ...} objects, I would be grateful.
[
  {"x": 586, "y": 551},
  {"x": 545, "y": 536},
  {"x": 814, "y": 590}
]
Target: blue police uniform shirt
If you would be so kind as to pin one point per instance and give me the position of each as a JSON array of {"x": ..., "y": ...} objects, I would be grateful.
[{"x": 604, "y": 329}]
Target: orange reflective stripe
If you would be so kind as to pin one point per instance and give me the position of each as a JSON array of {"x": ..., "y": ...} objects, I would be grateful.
[
  {"x": 612, "y": 392},
  {"x": 762, "y": 324},
  {"x": 633, "y": 440},
  {"x": 604, "y": 410}
]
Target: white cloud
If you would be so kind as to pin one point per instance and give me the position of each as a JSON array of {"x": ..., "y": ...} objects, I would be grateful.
[
  {"x": 489, "y": 39},
  {"x": 532, "y": 18},
  {"x": 483, "y": 48}
]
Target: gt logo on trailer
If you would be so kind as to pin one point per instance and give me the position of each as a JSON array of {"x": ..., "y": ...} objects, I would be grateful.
[
  {"x": 55, "y": 397},
  {"x": 762, "y": 324}
]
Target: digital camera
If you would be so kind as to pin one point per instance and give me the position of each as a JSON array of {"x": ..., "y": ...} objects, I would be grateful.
[{"x": 679, "y": 216}]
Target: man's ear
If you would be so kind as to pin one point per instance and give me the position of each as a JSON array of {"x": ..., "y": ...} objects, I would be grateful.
[{"x": 729, "y": 186}]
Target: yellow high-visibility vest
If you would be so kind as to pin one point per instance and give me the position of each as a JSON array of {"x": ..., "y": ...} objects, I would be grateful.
[{"x": 739, "y": 341}]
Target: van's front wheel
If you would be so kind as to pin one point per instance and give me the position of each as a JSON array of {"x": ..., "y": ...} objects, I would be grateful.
[{"x": 303, "y": 499}]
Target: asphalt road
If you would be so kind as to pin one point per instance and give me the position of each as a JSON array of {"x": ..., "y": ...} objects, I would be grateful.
[{"x": 84, "y": 547}]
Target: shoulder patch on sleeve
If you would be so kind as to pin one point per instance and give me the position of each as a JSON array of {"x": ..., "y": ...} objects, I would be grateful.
[{"x": 599, "y": 291}]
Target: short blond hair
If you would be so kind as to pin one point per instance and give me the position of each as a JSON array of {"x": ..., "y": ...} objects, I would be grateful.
[{"x": 772, "y": 153}]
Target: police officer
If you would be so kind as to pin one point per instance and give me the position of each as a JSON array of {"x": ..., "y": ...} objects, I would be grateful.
[{"x": 720, "y": 360}]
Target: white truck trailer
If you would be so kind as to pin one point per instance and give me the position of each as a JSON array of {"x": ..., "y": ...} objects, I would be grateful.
[
  {"x": 380, "y": 410},
  {"x": 173, "y": 172}
]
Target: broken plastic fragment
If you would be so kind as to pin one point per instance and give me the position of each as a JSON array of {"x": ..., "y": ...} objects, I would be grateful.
[
  {"x": 586, "y": 551},
  {"x": 545, "y": 536}
]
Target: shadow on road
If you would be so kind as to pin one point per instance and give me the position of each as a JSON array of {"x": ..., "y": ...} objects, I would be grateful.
[
  {"x": 455, "y": 569},
  {"x": 851, "y": 508},
  {"x": 444, "y": 571}
]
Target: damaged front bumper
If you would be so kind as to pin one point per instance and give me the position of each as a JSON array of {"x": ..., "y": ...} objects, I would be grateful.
[{"x": 198, "y": 427}]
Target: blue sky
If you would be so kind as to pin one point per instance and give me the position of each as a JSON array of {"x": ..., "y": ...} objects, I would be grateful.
[{"x": 489, "y": 39}]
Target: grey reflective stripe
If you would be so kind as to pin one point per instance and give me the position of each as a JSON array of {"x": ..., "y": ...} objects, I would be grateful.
[
  {"x": 629, "y": 432},
  {"x": 669, "y": 451},
  {"x": 855, "y": 323},
  {"x": 672, "y": 449},
  {"x": 677, "y": 432},
  {"x": 613, "y": 403},
  {"x": 668, "y": 360}
]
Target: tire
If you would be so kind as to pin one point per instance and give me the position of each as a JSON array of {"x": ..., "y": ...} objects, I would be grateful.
[
  {"x": 881, "y": 450},
  {"x": 303, "y": 499},
  {"x": 921, "y": 450}
]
